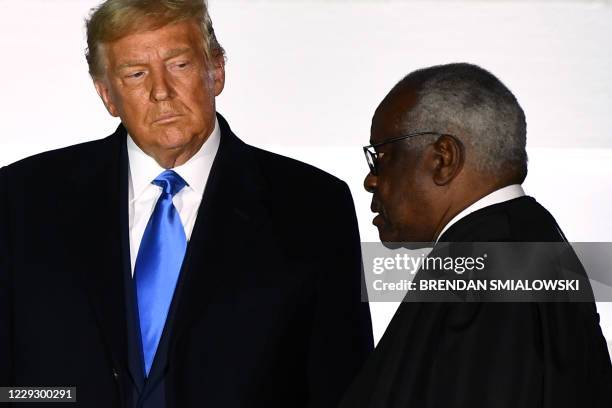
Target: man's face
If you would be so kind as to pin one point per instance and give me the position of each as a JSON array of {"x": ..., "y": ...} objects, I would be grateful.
[
  {"x": 401, "y": 189},
  {"x": 160, "y": 85}
]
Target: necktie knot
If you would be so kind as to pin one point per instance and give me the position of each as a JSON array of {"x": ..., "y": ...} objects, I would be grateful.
[{"x": 170, "y": 182}]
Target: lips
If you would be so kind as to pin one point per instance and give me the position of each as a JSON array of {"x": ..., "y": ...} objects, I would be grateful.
[
  {"x": 376, "y": 208},
  {"x": 167, "y": 117}
]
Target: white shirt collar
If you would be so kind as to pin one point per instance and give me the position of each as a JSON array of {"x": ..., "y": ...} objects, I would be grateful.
[
  {"x": 498, "y": 196},
  {"x": 144, "y": 169}
]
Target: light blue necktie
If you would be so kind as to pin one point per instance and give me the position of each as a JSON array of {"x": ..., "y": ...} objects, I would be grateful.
[{"x": 158, "y": 264}]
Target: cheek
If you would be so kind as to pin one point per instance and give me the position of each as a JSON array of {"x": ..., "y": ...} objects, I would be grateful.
[
  {"x": 198, "y": 96},
  {"x": 401, "y": 210},
  {"x": 133, "y": 103},
  {"x": 404, "y": 205},
  {"x": 203, "y": 83}
]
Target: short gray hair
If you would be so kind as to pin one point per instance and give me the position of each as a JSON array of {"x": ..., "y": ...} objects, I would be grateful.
[{"x": 469, "y": 102}]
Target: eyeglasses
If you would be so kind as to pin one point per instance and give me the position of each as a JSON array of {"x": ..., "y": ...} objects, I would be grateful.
[{"x": 372, "y": 155}]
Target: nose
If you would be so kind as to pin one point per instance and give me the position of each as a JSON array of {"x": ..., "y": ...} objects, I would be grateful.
[
  {"x": 370, "y": 183},
  {"x": 161, "y": 87}
]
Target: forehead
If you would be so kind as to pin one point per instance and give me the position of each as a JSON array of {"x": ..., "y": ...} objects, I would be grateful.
[
  {"x": 161, "y": 43},
  {"x": 391, "y": 117}
]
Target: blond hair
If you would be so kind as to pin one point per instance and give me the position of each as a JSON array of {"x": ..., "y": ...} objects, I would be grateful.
[{"x": 114, "y": 19}]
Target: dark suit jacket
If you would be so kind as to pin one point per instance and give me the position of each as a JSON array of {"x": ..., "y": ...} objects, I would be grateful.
[
  {"x": 490, "y": 354},
  {"x": 267, "y": 311}
]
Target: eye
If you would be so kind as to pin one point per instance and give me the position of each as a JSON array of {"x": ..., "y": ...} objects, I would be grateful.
[
  {"x": 136, "y": 75},
  {"x": 381, "y": 159},
  {"x": 181, "y": 65},
  {"x": 380, "y": 156}
]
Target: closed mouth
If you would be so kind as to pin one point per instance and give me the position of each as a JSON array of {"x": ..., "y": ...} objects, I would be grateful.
[{"x": 167, "y": 117}]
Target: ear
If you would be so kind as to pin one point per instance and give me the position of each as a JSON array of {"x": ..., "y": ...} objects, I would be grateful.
[
  {"x": 218, "y": 74},
  {"x": 449, "y": 156},
  {"x": 103, "y": 90}
]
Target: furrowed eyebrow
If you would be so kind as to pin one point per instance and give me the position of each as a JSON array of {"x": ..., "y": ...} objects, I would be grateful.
[{"x": 170, "y": 54}]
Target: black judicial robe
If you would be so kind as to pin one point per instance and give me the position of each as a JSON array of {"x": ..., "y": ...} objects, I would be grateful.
[{"x": 490, "y": 354}]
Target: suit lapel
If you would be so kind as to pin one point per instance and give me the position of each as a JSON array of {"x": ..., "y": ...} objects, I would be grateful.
[
  {"x": 231, "y": 213},
  {"x": 96, "y": 206},
  {"x": 135, "y": 359}
]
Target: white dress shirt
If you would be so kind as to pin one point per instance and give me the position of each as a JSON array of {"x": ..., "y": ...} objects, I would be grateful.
[
  {"x": 498, "y": 196},
  {"x": 143, "y": 195}
]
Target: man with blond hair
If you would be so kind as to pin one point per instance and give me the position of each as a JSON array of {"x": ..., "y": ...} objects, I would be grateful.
[{"x": 170, "y": 264}]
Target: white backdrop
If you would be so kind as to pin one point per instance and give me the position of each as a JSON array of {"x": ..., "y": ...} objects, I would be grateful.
[{"x": 303, "y": 79}]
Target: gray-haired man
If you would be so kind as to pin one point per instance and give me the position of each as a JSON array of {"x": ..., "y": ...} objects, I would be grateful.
[{"x": 447, "y": 159}]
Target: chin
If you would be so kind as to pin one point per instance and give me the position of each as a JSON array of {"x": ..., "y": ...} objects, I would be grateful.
[
  {"x": 393, "y": 239},
  {"x": 387, "y": 237},
  {"x": 174, "y": 138}
]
